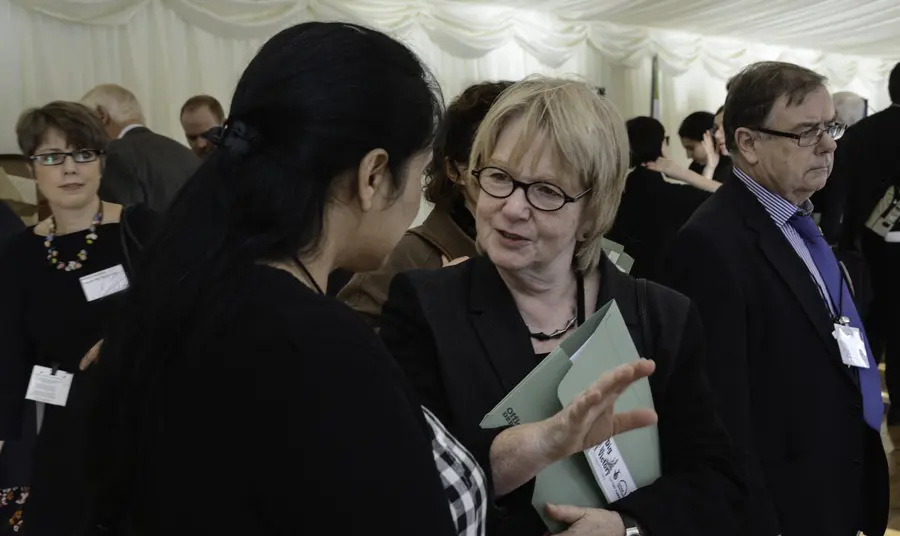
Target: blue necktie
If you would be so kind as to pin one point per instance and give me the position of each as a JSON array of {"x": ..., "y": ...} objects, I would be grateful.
[{"x": 829, "y": 269}]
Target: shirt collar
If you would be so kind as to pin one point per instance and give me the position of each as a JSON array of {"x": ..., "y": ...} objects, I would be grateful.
[
  {"x": 780, "y": 209},
  {"x": 128, "y": 129}
]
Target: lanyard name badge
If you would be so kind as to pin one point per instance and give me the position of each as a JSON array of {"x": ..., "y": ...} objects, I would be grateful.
[
  {"x": 104, "y": 283},
  {"x": 849, "y": 339},
  {"x": 49, "y": 385}
]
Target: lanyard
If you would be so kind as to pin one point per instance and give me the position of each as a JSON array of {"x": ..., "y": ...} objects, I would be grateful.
[{"x": 836, "y": 309}]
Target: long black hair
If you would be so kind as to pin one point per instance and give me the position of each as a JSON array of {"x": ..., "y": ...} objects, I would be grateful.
[{"x": 315, "y": 99}]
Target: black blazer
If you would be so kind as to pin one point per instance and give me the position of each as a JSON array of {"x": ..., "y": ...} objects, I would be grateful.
[
  {"x": 651, "y": 212},
  {"x": 147, "y": 168},
  {"x": 784, "y": 394},
  {"x": 463, "y": 344}
]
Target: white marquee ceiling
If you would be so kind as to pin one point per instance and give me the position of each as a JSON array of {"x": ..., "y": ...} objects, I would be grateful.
[
  {"x": 860, "y": 27},
  {"x": 856, "y": 27}
]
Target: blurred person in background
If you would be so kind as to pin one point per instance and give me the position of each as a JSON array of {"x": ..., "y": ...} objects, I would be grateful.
[
  {"x": 830, "y": 202},
  {"x": 199, "y": 115},
  {"x": 141, "y": 166},
  {"x": 694, "y": 133},
  {"x": 652, "y": 208},
  {"x": 725, "y": 165},
  {"x": 60, "y": 282},
  {"x": 449, "y": 231},
  {"x": 868, "y": 163}
]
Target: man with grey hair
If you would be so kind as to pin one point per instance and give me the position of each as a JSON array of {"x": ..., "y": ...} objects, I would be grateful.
[
  {"x": 141, "y": 166},
  {"x": 797, "y": 384}
]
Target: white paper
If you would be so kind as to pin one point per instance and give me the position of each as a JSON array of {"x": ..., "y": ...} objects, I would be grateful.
[
  {"x": 851, "y": 345},
  {"x": 48, "y": 387},
  {"x": 104, "y": 283},
  {"x": 610, "y": 470}
]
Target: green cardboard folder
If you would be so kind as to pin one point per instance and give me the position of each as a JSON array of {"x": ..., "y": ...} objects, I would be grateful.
[
  {"x": 616, "y": 253},
  {"x": 597, "y": 346}
]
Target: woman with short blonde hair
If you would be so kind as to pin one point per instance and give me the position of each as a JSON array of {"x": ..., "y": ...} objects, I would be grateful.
[
  {"x": 550, "y": 160},
  {"x": 588, "y": 140}
]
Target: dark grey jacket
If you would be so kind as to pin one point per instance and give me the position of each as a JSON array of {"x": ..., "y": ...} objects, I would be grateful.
[{"x": 144, "y": 167}]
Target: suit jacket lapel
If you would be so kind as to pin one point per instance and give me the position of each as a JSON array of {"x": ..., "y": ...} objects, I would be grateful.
[
  {"x": 496, "y": 320},
  {"x": 787, "y": 264}
]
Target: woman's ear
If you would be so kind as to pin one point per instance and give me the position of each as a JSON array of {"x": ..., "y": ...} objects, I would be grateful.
[
  {"x": 583, "y": 230},
  {"x": 453, "y": 173},
  {"x": 372, "y": 177}
]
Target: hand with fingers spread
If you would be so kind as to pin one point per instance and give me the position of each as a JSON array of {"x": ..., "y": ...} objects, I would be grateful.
[
  {"x": 591, "y": 419},
  {"x": 90, "y": 356},
  {"x": 521, "y": 452}
]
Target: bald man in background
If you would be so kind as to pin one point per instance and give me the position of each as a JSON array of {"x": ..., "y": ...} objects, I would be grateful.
[
  {"x": 142, "y": 167},
  {"x": 199, "y": 115}
]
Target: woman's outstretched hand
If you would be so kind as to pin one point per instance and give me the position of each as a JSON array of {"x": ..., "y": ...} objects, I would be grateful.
[
  {"x": 521, "y": 452},
  {"x": 591, "y": 419}
]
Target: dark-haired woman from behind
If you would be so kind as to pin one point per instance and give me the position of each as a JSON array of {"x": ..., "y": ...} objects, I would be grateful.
[
  {"x": 653, "y": 209},
  {"x": 239, "y": 399},
  {"x": 448, "y": 232}
]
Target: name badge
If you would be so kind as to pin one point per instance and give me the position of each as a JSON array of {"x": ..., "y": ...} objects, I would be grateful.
[
  {"x": 610, "y": 470},
  {"x": 851, "y": 345},
  {"x": 104, "y": 283},
  {"x": 49, "y": 387}
]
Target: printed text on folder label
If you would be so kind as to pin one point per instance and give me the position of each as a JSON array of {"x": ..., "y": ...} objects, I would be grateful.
[{"x": 610, "y": 470}]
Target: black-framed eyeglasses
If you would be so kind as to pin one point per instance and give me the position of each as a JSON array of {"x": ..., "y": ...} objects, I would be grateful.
[
  {"x": 81, "y": 156},
  {"x": 541, "y": 195},
  {"x": 809, "y": 137}
]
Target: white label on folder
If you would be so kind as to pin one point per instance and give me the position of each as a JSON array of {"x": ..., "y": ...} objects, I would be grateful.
[
  {"x": 49, "y": 387},
  {"x": 610, "y": 470},
  {"x": 104, "y": 283}
]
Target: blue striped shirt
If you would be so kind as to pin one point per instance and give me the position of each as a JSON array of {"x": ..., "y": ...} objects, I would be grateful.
[{"x": 781, "y": 210}]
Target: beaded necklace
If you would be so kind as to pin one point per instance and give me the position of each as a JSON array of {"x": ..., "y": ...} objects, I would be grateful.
[{"x": 90, "y": 237}]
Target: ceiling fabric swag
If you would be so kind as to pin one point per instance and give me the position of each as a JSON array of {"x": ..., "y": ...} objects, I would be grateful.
[{"x": 469, "y": 29}]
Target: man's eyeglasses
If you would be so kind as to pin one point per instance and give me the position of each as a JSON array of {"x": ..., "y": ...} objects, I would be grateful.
[
  {"x": 81, "y": 156},
  {"x": 541, "y": 195},
  {"x": 810, "y": 137}
]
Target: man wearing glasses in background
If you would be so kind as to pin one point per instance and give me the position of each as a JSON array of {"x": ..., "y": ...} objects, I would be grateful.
[{"x": 789, "y": 359}]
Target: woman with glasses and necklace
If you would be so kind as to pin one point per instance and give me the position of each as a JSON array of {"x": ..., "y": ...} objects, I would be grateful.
[
  {"x": 60, "y": 281},
  {"x": 550, "y": 158}
]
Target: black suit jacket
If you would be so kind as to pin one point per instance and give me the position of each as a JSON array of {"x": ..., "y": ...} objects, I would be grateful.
[
  {"x": 784, "y": 394},
  {"x": 867, "y": 162},
  {"x": 463, "y": 344},
  {"x": 147, "y": 168}
]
